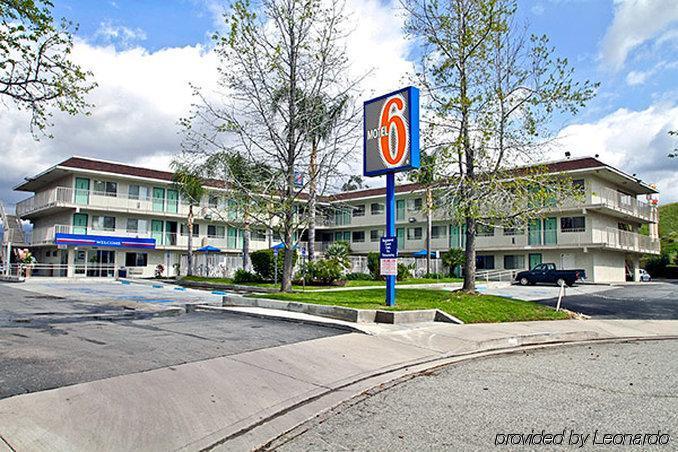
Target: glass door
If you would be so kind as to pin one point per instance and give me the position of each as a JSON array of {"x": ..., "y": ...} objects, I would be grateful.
[
  {"x": 454, "y": 236},
  {"x": 80, "y": 223},
  {"x": 400, "y": 210},
  {"x": 550, "y": 234},
  {"x": 534, "y": 232},
  {"x": 535, "y": 259},
  {"x": 81, "y": 190},
  {"x": 158, "y": 199},
  {"x": 400, "y": 238},
  {"x": 172, "y": 201},
  {"x": 156, "y": 231}
]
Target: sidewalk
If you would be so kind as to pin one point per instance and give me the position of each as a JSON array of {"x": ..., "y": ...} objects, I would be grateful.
[{"x": 242, "y": 401}]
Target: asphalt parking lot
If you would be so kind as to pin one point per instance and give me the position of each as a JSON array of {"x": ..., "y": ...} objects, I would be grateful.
[{"x": 49, "y": 340}]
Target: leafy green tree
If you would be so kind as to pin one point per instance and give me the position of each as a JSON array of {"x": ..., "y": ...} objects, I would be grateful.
[
  {"x": 354, "y": 182},
  {"x": 491, "y": 91},
  {"x": 190, "y": 187},
  {"x": 36, "y": 72}
]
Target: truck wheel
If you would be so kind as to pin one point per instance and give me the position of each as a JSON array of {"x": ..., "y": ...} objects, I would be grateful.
[
  {"x": 561, "y": 282},
  {"x": 569, "y": 283},
  {"x": 524, "y": 281}
]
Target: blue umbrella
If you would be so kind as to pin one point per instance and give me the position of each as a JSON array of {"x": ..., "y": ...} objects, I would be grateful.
[
  {"x": 208, "y": 249},
  {"x": 420, "y": 253}
]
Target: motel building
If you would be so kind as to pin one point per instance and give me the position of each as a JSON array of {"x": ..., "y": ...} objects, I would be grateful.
[{"x": 92, "y": 217}]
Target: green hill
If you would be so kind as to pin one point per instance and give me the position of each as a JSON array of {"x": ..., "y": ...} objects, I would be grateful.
[{"x": 668, "y": 228}]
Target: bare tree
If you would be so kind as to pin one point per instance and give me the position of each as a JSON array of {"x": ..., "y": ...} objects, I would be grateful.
[
  {"x": 275, "y": 59},
  {"x": 490, "y": 91}
]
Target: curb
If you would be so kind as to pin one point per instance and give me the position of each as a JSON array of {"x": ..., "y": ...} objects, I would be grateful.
[{"x": 260, "y": 436}]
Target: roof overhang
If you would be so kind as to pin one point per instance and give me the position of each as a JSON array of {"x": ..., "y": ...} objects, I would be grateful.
[{"x": 35, "y": 183}]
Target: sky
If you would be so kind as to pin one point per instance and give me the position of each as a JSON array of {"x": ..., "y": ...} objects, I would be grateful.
[{"x": 145, "y": 53}]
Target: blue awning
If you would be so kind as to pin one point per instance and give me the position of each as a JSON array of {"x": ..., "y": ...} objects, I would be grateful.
[
  {"x": 422, "y": 253},
  {"x": 208, "y": 249},
  {"x": 103, "y": 241}
]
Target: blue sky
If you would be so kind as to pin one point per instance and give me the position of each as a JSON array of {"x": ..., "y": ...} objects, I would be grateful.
[{"x": 144, "y": 54}]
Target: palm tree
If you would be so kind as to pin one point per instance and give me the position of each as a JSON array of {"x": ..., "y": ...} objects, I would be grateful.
[
  {"x": 321, "y": 115},
  {"x": 426, "y": 176},
  {"x": 190, "y": 186}
]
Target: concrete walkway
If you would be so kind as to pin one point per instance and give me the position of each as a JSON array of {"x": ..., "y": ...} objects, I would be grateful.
[{"x": 243, "y": 401}]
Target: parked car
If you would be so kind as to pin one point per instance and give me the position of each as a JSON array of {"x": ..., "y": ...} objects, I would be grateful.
[
  {"x": 547, "y": 273},
  {"x": 645, "y": 276}
]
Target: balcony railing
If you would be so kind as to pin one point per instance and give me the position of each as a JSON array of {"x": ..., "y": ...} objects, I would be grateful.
[
  {"x": 69, "y": 197},
  {"x": 624, "y": 203}
]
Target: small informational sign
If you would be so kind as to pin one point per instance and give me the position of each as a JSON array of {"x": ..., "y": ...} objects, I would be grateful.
[
  {"x": 388, "y": 248},
  {"x": 62, "y": 247},
  {"x": 391, "y": 132},
  {"x": 388, "y": 267},
  {"x": 275, "y": 252}
]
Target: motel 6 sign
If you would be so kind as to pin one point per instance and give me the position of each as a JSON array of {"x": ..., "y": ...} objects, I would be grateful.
[{"x": 391, "y": 132}]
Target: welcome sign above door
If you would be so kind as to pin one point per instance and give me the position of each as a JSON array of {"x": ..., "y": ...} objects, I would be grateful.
[{"x": 103, "y": 241}]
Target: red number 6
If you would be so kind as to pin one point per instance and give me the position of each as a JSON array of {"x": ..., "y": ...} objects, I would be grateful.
[{"x": 389, "y": 120}]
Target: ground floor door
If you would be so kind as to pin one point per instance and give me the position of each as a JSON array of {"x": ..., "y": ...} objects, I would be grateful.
[
  {"x": 535, "y": 259},
  {"x": 100, "y": 263}
]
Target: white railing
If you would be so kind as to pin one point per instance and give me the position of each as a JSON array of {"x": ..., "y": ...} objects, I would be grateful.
[
  {"x": 624, "y": 203},
  {"x": 496, "y": 275},
  {"x": 631, "y": 241},
  {"x": 63, "y": 270}
]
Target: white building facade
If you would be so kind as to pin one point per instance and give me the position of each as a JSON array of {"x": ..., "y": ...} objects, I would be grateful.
[{"x": 93, "y": 217}]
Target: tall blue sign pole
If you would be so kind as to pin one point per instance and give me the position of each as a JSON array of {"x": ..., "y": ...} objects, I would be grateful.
[{"x": 390, "y": 145}]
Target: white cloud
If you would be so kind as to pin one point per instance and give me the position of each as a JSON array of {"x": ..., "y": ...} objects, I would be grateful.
[
  {"x": 140, "y": 97},
  {"x": 126, "y": 37},
  {"x": 633, "y": 141},
  {"x": 635, "y": 22}
]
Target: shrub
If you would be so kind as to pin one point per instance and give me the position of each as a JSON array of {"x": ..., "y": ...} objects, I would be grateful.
[
  {"x": 243, "y": 276},
  {"x": 433, "y": 275},
  {"x": 321, "y": 271},
  {"x": 359, "y": 277},
  {"x": 404, "y": 272},
  {"x": 339, "y": 252},
  {"x": 373, "y": 265},
  {"x": 656, "y": 266},
  {"x": 264, "y": 265},
  {"x": 452, "y": 258}
]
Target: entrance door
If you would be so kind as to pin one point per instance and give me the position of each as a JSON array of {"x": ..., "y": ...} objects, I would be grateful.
[
  {"x": 81, "y": 190},
  {"x": 534, "y": 232},
  {"x": 550, "y": 234},
  {"x": 80, "y": 223},
  {"x": 100, "y": 263},
  {"x": 400, "y": 210},
  {"x": 156, "y": 231},
  {"x": 454, "y": 236},
  {"x": 158, "y": 199},
  {"x": 170, "y": 233},
  {"x": 172, "y": 201},
  {"x": 535, "y": 259},
  {"x": 400, "y": 238}
]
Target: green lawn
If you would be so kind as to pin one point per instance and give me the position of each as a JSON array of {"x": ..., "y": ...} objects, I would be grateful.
[
  {"x": 356, "y": 283},
  {"x": 468, "y": 308}
]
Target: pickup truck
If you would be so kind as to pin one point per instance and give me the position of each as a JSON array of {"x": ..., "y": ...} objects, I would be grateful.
[{"x": 547, "y": 273}]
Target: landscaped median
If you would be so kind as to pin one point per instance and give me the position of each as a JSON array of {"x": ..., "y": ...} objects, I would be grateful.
[{"x": 467, "y": 308}]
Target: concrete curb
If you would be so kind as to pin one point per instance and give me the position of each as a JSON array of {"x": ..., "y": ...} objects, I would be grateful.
[
  {"x": 343, "y": 313},
  {"x": 12, "y": 279}
]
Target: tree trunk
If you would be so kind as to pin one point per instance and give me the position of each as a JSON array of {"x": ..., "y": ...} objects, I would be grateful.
[
  {"x": 312, "y": 191},
  {"x": 288, "y": 263},
  {"x": 429, "y": 208},
  {"x": 470, "y": 252},
  {"x": 246, "y": 236},
  {"x": 189, "y": 260}
]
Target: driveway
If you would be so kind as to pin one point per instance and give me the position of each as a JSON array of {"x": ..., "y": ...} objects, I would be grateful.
[
  {"x": 48, "y": 340},
  {"x": 596, "y": 389}
]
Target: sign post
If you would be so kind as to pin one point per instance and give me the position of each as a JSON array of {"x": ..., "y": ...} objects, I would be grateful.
[{"x": 390, "y": 145}]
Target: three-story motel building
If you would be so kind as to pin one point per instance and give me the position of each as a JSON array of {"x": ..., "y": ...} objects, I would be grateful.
[{"x": 91, "y": 217}]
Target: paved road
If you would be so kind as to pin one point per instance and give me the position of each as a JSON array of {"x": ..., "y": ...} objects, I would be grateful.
[
  {"x": 612, "y": 388},
  {"x": 47, "y": 341},
  {"x": 656, "y": 300}
]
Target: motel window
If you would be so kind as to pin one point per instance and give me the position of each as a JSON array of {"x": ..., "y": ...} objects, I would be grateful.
[
  {"x": 216, "y": 231},
  {"x": 414, "y": 234},
  {"x": 258, "y": 235},
  {"x": 438, "y": 232},
  {"x": 513, "y": 231},
  {"x": 213, "y": 201},
  {"x": 514, "y": 262},
  {"x": 376, "y": 234},
  {"x": 358, "y": 236},
  {"x": 136, "y": 259},
  {"x": 484, "y": 230},
  {"x": 359, "y": 210},
  {"x": 132, "y": 225},
  {"x": 137, "y": 192},
  {"x": 485, "y": 262},
  {"x": 342, "y": 217},
  {"x": 105, "y": 187},
  {"x": 103, "y": 223},
  {"x": 376, "y": 208},
  {"x": 414, "y": 205},
  {"x": 572, "y": 224},
  {"x": 579, "y": 185},
  {"x": 196, "y": 229}
]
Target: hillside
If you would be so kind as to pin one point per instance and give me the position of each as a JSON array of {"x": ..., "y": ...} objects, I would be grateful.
[{"x": 668, "y": 228}]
